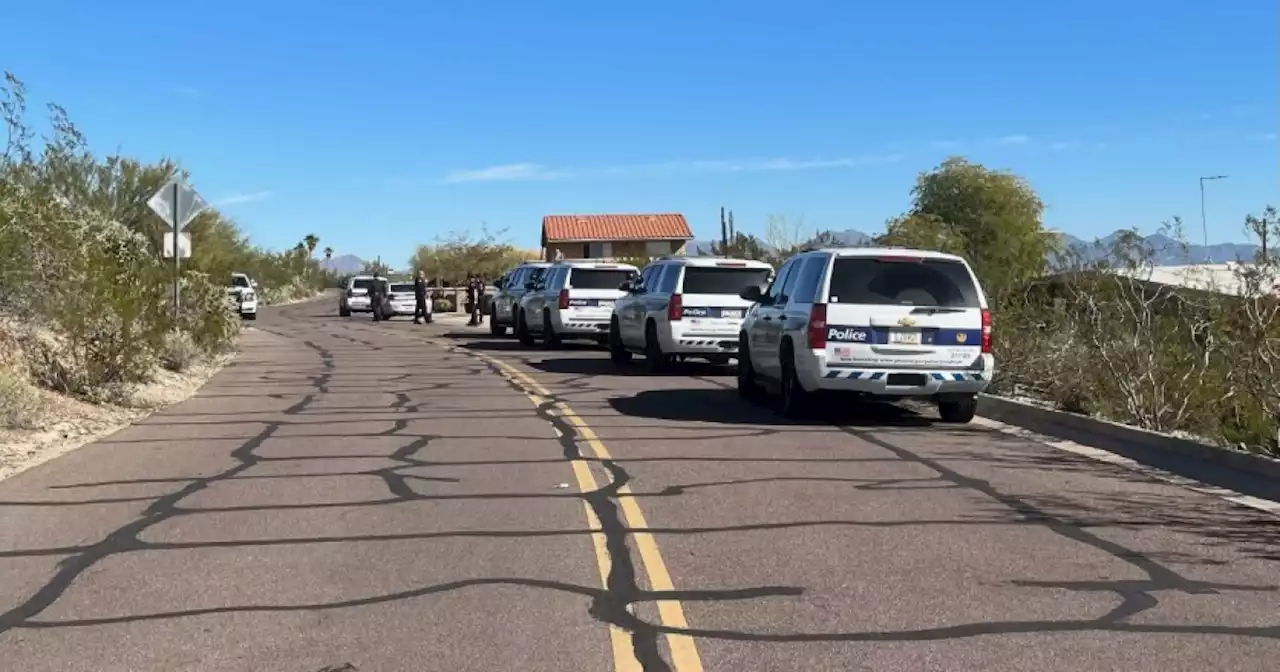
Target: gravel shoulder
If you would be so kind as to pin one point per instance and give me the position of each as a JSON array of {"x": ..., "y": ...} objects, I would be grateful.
[{"x": 66, "y": 423}]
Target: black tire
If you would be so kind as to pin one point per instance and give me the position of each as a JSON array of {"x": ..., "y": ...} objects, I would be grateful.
[
  {"x": 748, "y": 387},
  {"x": 250, "y": 316},
  {"x": 344, "y": 312},
  {"x": 522, "y": 330},
  {"x": 794, "y": 402},
  {"x": 655, "y": 360},
  {"x": 618, "y": 353},
  {"x": 549, "y": 337},
  {"x": 495, "y": 329},
  {"x": 958, "y": 411}
]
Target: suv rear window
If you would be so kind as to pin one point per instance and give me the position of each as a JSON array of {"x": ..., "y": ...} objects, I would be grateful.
[
  {"x": 931, "y": 282},
  {"x": 239, "y": 281},
  {"x": 362, "y": 283},
  {"x": 599, "y": 278},
  {"x": 705, "y": 280},
  {"x": 399, "y": 287}
]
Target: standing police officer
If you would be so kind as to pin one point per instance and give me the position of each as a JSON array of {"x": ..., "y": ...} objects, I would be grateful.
[
  {"x": 475, "y": 291},
  {"x": 420, "y": 312}
]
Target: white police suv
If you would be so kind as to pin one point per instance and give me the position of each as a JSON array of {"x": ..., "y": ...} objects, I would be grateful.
[
  {"x": 878, "y": 322},
  {"x": 682, "y": 307},
  {"x": 572, "y": 299},
  {"x": 356, "y": 298},
  {"x": 511, "y": 288}
]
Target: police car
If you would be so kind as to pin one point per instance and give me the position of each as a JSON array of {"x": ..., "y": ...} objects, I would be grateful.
[
  {"x": 511, "y": 288},
  {"x": 242, "y": 297},
  {"x": 878, "y": 322},
  {"x": 682, "y": 307},
  {"x": 356, "y": 297},
  {"x": 572, "y": 299}
]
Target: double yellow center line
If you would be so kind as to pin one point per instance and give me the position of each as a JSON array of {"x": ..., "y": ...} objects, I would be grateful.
[{"x": 684, "y": 654}]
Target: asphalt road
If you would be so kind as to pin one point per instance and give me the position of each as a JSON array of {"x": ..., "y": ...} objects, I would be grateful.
[{"x": 383, "y": 497}]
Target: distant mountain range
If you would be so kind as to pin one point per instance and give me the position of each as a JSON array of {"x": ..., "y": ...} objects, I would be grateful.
[
  {"x": 1166, "y": 251},
  {"x": 343, "y": 264}
]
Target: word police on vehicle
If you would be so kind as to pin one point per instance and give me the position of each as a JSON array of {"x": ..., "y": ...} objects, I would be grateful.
[{"x": 846, "y": 335}]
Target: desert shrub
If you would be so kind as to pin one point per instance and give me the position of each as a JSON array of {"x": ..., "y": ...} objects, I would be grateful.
[
  {"x": 179, "y": 351},
  {"x": 20, "y": 403},
  {"x": 206, "y": 315},
  {"x": 80, "y": 261}
]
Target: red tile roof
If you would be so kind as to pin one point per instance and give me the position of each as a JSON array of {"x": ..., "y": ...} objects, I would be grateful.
[{"x": 590, "y": 228}]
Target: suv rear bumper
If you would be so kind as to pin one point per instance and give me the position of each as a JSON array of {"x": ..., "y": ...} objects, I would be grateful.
[
  {"x": 567, "y": 325},
  {"x": 815, "y": 374},
  {"x": 678, "y": 340}
]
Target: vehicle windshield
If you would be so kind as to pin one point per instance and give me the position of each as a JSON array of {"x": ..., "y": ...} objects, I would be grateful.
[
  {"x": 399, "y": 287},
  {"x": 717, "y": 280},
  {"x": 932, "y": 282},
  {"x": 239, "y": 281},
  {"x": 599, "y": 278}
]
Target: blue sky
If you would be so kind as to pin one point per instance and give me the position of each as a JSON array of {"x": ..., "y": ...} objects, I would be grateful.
[{"x": 383, "y": 126}]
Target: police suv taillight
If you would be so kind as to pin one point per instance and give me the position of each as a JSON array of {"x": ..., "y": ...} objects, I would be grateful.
[
  {"x": 986, "y": 331},
  {"x": 818, "y": 326},
  {"x": 675, "y": 308},
  {"x": 564, "y": 299}
]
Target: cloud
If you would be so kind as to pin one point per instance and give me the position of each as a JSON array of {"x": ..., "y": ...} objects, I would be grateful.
[
  {"x": 1062, "y": 145},
  {"x": 760, "y": 165},
  {"x": 1016, "y": 139},
  {"x": 244, "y": 197},
  {"x": 535, "y": 171},
  {"x": 945, "y": 144},
  {"x": 1269, "y": 137},
  {"x": 188, "y": 92},
  {"x": 511, "y": 172}
]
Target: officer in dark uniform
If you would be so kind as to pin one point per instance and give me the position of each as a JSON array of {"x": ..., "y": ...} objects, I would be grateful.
[
  {"x": 475, "y": 291},
  {"x": 376, "y": 294},
  {"x": 420, "y": 312}
]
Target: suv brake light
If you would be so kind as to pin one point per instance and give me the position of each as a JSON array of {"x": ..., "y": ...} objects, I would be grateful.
[
  {"x": 675, "y": 308},
  {"x": 986, "y": 331},
  {"x": 564, "y": 299},
  {"x": 900, "y": 259},
  {"x": 818, "y": 326}
]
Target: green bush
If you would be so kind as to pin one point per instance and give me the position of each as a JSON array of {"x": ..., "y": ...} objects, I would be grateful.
[
  {"x": 19, "y": 402},
  {"x": 179, "y": 351},
  {"x": 81, "y": 264}
]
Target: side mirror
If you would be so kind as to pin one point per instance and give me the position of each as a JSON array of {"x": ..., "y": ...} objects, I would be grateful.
[
  {"x": 531, "y": 285},
  {"x": 626, "y": 287},
  {"x": 752, "y": 293},
  {"x": 499, "y": 282},
  {"x": 254, "y": 283}
]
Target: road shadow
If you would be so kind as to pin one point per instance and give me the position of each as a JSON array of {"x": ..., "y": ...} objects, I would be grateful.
[
  {"x": 725, "y": 406},
  {"x": 478, "y": 345},
  {"x": 600, "y": 366}
]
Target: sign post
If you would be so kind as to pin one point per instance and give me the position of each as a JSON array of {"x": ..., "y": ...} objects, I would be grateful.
[{"x": 177, "y": 204}]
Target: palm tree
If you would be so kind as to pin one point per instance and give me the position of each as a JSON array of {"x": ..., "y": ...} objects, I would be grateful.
[
  {"x": 311, "y": 240},
  {"x": 328, "y": 253}
]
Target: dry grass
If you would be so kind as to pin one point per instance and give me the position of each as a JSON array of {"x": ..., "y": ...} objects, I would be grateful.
[{"x": 37, "y": 425}]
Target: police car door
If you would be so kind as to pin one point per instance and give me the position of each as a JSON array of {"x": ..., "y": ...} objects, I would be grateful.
[{"x": 768, "y": 330}]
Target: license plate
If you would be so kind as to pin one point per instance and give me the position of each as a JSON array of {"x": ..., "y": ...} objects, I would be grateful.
[
  {"x": 605, "y": 304},
  {"x": 731, "y": 314},
  {"x": 904, "y": 338}
]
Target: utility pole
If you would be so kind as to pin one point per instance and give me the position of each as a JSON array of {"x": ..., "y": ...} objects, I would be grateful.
[
  {"x": 724, "y": 232},
  {"x": 1204, "y": 222}
]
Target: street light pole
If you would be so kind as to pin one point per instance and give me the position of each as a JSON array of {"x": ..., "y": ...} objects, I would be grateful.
[{"x": 1204, "y": 222}]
